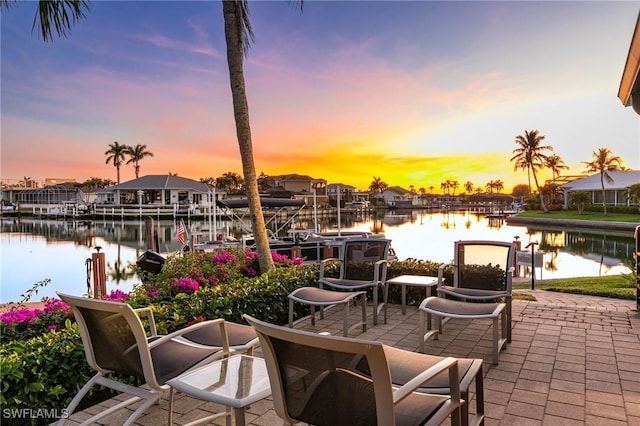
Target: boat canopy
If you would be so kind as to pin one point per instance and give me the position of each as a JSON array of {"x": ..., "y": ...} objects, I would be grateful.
[{"x": 265, "y": 202}]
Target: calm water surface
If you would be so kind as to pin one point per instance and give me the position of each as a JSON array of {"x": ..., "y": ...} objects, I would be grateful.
[{"x": 34, "y": 249}]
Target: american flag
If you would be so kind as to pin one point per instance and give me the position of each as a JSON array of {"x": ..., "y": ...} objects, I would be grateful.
[{"x": 181, "y": 232}]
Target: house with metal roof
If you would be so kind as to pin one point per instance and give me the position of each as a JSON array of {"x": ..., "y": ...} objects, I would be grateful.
[
  {"x": 159, "y": 190},
  {"x": 396, "y": 196},
  {"x": 615, "y": 192}
]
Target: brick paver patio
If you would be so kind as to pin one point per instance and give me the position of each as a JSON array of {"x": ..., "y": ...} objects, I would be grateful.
[{"x": 573, "y": 360}]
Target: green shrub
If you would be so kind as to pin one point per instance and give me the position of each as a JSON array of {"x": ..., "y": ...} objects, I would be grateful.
[
  {"x": 485, "y": 277},
  {"x": 42, "y": 373}
]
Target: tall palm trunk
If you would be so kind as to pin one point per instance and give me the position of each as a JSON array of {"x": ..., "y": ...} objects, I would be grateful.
[
  {"x": 542, "y": 205},
  {"x": 604, "y": 202},
  {"x": 233, "y": 36}
]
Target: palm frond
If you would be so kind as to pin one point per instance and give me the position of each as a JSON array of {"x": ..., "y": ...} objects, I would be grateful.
[{"x": 60, "y": 15}]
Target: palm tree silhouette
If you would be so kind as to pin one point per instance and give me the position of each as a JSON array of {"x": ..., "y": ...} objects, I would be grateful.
[
  {"x": 555, "y": 163},
  {"x": 529, "y": 155},
  {"x": 116, "y": 155},
  {"x": 137, "y": 153},
  {"x": 604, "y": 161}
]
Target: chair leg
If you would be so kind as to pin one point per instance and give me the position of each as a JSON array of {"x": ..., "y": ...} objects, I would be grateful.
[
  {"x": 170, "y": 420},
  {"x": 385, "y": 298},
  {"x": 496, "y": 338},
  {"x": 375, "y": 305},
  {"x": 345, "y": 319},
  {"x": 421, "y": 332},
  {"x": 480, "y": 397},
  {"x": 363, "y": 302},
  {"x": 506, "y": 326},
  {"x": 509, "y": 323}
]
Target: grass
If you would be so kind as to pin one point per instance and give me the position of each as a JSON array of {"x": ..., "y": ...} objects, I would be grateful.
[
  {"x": 616, "y": 286},
  {"x": 573, "y": 214}
]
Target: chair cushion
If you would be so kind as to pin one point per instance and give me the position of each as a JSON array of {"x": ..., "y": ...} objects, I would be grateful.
[
  {"x": 347, "y": 284},
  {"x": 238, "y": 335},
  {"x": 405, "y": 365},
  {"x": 321, "y": 296},
  {"x": 472, "y": 292},
  {"x": 172, "y": 358},
  {"x": 460, "y": 309}
]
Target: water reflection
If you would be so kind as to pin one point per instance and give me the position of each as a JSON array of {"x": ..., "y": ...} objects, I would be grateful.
[{"x": 35, "y": 249}]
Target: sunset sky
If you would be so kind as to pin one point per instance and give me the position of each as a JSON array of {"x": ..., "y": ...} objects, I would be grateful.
[{"x": 412, "y": 92}]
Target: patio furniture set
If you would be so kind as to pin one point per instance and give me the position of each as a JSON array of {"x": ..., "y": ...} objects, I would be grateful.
[{"x": 313, "y": 378}]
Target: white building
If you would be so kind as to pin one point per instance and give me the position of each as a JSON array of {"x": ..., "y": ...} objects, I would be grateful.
[{"x": 616, "y": 192}]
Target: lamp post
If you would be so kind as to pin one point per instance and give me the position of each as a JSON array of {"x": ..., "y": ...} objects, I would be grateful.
[
  {"x": 533, "y": 244},
  {"x": 140, "y": 194},
  {"x": 637, "y": 238}
]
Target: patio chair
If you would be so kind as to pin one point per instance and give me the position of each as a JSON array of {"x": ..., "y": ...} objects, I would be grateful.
[
  {"x": 482, "y": 272},
  {"x": 405, "y": 365},
  {"x": 314, "y": 380},
  {"x": 115, "y": 341},
  {"x": 363, "y": 266}
]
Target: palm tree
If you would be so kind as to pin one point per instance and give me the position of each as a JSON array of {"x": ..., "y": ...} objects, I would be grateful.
[
  {"x": 377, "y": 186},
  {"x": 604, "y": 161},
  {"x": 489, "y": 187},
  {"x": 530, "y": 155},
  {"x": 445, "y": 186},
  {"x": 454, "y": 185},
  {"x": 137, "y": 153},
  {"x": 238, "y": 36},
  {"x": 116, "y": 155},
  {"x": 208, "y": 180},
  {"x": 579, "y": 199},
  {"x": 634, "y": 195},
  {"x": 63, "y": 15},
  {"x": 555, "y": 163},
  {"x": 468, "y": 187},
  {"x": 26, "y": 182}
]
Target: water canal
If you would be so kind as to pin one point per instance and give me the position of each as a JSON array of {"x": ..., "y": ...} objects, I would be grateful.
[{"x": 35, "y": 249}]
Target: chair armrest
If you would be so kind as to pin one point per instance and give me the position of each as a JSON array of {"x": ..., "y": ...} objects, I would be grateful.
[
  {"x": 323, "y": 262},
  {"x": 380, "y": 271},
  {"x": 509, "y": 283},
  {"x": 152, "y": 322},
  {"x": 421, "y": 379},
  {"x": 220, "y": 322}
]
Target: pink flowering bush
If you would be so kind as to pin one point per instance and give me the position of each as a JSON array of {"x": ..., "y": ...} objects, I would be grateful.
[
  {"x": 20, "y": 322},
  {"x": 193, "y": 271},
  {"x": 186, "y": 284},
  {"x": 117, "y": 296}
]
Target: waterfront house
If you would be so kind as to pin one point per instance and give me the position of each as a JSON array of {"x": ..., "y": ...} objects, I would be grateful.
[
  {"x": 297, "y": 184},
  {"x": 395, "y": 196},
  {"x": 155, "y": 193},
  {"x": 52, "y": 200},
  {"x": 616, "y": 192}
]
